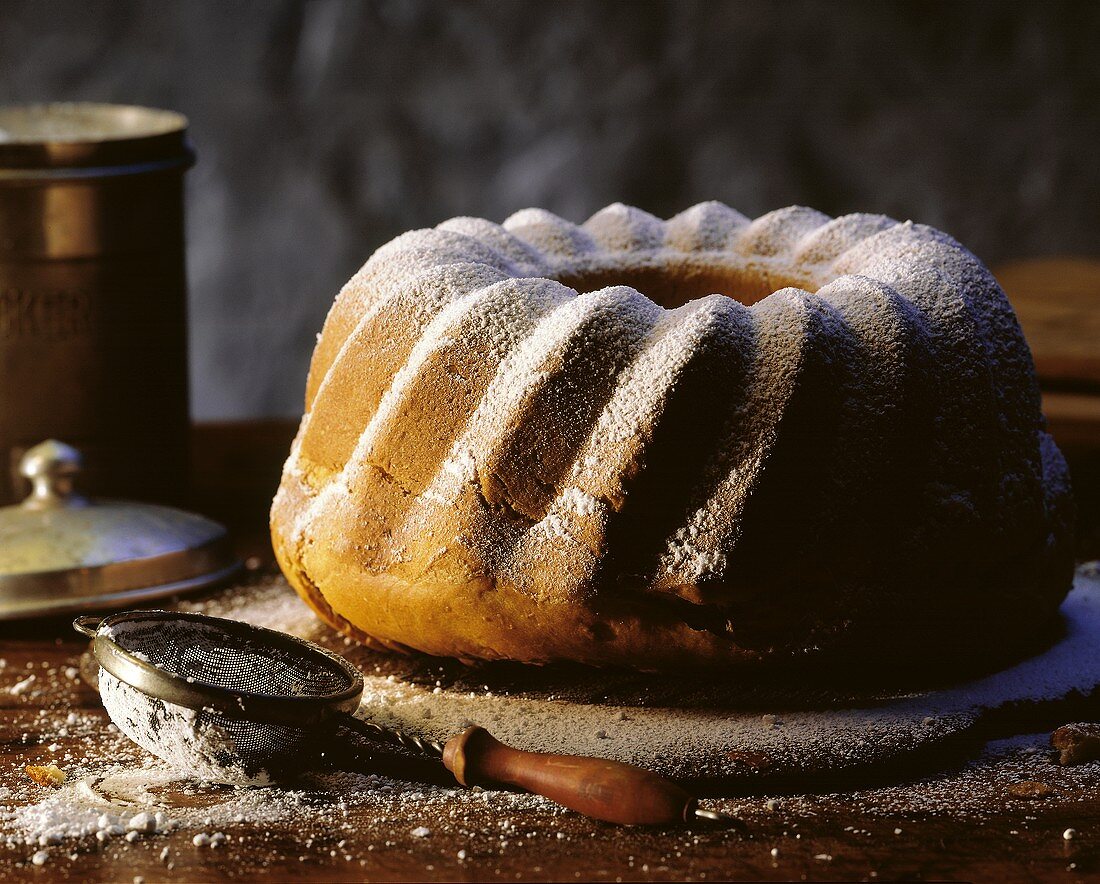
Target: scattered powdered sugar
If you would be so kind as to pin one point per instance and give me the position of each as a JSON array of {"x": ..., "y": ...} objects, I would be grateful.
[
  {"x": 21, "y": 686},
  {"x": 72, "y": 811},
  {"x": 117, "y": 798},
  {"x": 144, "y": 797},
  {"x": 351, "y": 814},
  {"x": 981, "y": 787},
  {"x": 269, "y": 603}
]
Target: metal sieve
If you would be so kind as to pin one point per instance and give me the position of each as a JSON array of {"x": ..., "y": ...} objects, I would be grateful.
[{"x": 234, "y": 703}]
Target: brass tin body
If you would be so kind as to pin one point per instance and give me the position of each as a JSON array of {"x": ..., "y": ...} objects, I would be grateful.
[{"x": 93, "y": 341}]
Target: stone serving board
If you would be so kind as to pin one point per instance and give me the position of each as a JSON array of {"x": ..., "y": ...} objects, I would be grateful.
[{"x": 722, "y": 738}]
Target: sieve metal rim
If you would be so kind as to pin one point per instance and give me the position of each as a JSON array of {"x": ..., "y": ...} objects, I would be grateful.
[{"x": 155, "y": 682}]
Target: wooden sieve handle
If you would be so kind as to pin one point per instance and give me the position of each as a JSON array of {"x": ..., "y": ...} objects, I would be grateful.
[{"x": 604, "y": 790}]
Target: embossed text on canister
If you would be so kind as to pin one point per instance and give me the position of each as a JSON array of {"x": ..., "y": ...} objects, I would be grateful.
[{"x": 93, "y": 341}]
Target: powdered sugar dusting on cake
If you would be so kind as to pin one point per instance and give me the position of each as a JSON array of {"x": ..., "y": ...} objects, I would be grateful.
[
  {"x": 549, "y": 233},
  {"x": 620, "y": 228},
  {"x": 778, "y": 232},
  {"x": 706, "y": 227},
  {"x": 483, "y": 324},
  {"x": 534, "y": 359}
]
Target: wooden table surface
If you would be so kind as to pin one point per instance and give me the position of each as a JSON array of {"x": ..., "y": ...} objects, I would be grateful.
[{"x": 963, "y": 822}]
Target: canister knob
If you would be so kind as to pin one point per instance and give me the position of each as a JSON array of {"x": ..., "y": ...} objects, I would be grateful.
[{"x": 52, "y": 467}]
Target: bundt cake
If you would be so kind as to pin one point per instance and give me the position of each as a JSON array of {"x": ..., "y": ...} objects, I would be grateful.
[{"x": 657, "y": 444}]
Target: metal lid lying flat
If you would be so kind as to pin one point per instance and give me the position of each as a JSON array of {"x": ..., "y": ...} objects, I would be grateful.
[{"x": 60, "y": 552}]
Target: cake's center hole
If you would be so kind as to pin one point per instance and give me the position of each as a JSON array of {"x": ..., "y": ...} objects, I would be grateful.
[{"x": 672, "y": 285}]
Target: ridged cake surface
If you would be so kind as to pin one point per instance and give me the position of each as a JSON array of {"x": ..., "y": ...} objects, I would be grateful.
[{"x": 654, "y": 443}]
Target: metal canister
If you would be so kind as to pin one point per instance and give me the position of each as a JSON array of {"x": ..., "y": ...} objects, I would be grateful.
[{"x": 93, "y": 314}]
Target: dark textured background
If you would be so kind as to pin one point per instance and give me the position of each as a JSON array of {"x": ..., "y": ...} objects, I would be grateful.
[{"x": 324, "y": 128}]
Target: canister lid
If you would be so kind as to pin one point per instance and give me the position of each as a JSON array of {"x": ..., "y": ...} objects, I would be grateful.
[
  {"x": 61, "y": 552},
  {"x": 95, "y": 138}
]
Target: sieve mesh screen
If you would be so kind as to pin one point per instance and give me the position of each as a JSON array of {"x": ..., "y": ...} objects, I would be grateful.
[
  {"x": 210, "y": 654},
  {"x": 205, "y": 743}
]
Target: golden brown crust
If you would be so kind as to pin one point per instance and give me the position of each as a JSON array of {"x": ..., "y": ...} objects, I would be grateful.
[{"x": 453, "y": 614}]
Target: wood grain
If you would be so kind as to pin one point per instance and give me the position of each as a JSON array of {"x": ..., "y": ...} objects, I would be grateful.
[{"x": 1057, "y": 301}]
